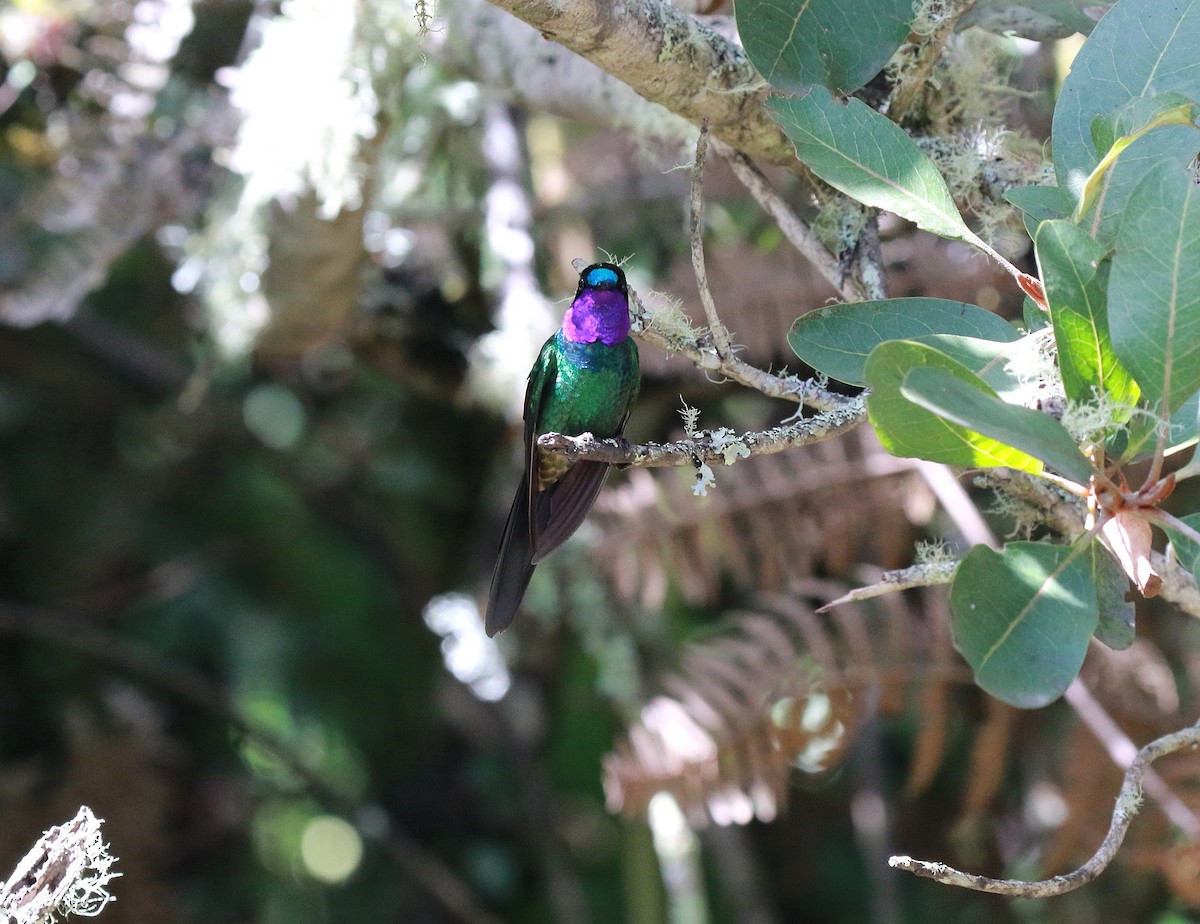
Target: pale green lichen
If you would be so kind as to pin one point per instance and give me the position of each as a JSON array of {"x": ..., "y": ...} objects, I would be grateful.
[
  {"x": 691, "y": 416},
  {"x": 937, "y": 552},
  {"x": 1092, "y": 422},
  {"x": 1025, "y": 518},
  {"x": 704, "y": 480},
  {"x": 731, "y": 446},
  {"x": 668, "y": 318},
  {"x": 963, "y": 123},
  {"x": 931, "y": 15}
]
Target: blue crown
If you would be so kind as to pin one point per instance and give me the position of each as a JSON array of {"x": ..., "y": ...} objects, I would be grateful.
[{"x": 599, "y": 276}]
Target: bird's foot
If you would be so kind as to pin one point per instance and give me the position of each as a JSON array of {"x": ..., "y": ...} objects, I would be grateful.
[{"x": 625, "y": 446}]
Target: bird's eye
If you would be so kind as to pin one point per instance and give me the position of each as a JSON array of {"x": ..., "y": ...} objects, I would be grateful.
[{"x": 600, "y": 275}]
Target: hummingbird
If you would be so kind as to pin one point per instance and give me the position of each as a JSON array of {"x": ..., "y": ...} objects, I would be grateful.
[{"x": 586, "y": 380}]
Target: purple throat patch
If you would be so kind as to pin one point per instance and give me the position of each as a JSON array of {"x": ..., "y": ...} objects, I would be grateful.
[{"x": 601, "y": 315}]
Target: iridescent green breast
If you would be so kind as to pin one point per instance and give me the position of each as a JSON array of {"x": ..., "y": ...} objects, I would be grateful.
[{"x": 593, "y": 389}]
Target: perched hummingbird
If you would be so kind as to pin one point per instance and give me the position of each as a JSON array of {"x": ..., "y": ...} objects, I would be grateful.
[{"x": 585, "y": 380}]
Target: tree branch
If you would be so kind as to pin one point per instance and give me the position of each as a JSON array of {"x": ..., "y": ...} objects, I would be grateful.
[
  {"x": 670, "y": 58},
  {"x": 712, "y": 447},
  {"x": 701, "y": 350},
  {"x": 66, "y": 872},
  {"x": 1128, "y": 802}
]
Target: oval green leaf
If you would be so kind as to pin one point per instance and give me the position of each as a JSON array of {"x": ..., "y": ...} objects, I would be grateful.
[
  {"x": 974, "y": 406},
  {"x": 1154, "y": 287},
  {"x": 911, "y": 431},
  {"x": 1141, "y": 48},
  {"x": 837, "y": 340},
  {"x": 1116, "y": 627},
  {"x": 797, "y": 44},
  {"x": 1040, "y": 203},
  {"x": 1069, "y": 263},
  {"x": 1022, "y": 619},
  {"x": 868, "y": 157}
]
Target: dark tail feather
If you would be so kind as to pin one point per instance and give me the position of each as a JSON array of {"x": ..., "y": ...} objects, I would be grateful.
[{"x": 514, "y": 566}]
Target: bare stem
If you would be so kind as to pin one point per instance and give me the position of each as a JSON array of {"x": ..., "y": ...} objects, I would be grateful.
[
  {"x": 717, "y": 330},
  {"x": 1169, "y": 521},
  {"x": 794, "y": 228},
  {"x": 925, "y": 574},
  {"x": 1128, "y": 802},
  {"x": 1122, "y": 751}
]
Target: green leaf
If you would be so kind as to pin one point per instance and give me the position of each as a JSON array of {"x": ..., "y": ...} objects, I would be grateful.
[
  {"x": 1115, "y": 627},
  {"x": 1112, "y": 134},
  {"x": 1138, "y": 116},
  {"x": 988, "y": 359},
  {"x": 1032, "y": 315},
  {"x": 1154, "y": 287},
  {"x": 977, "y": 408},
  {"x": 1184, "y": 427},
  {"x": 1069, "y": 263},
  {"x": 868, "y": 157},
  {"x": 1141, "y": 48},
  {"x": 1022, "y": 619},
  {"x": 836, "y": 340},
  {"x": 796, "y": 44},
  {"x": 908, "y": 430},
  {"x": 1040, "y": 203}
]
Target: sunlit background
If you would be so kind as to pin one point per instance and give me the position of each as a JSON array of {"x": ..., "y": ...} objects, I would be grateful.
[{"x": 272, "y": 277}]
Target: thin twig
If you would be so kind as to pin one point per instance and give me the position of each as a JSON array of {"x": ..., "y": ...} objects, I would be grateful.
[
  {"x": 1169, "y": 521},
  {"x": 926, "y": 574},
  {"x": 797, "y": 231},
  {"x": 1128, "y": 802},
  {"x": 717, "y": 330},
  {"x": 703, "y": 353}
]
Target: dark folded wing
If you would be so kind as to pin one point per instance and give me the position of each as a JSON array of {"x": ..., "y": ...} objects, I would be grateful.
[
  {"x": 514, "y": 565},
  {"x": 562, "y": 507}
]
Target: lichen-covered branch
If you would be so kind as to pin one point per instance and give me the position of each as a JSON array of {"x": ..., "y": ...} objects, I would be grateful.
[
  {"x": 1128, "y": 801},
  {"x": 717, "y": 447},
  {"x": 701, "y": 350},
  {"x": 925, "y": 574},
  {"x": 66, "y": 872},
  {"x": 917, "y": 79},
  {"x": 669, "y": 58}
]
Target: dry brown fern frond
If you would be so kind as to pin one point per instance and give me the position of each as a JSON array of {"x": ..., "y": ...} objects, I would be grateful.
[
  {"x": 770, "y": 521},
  {"x": 782, "y": 689}
]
